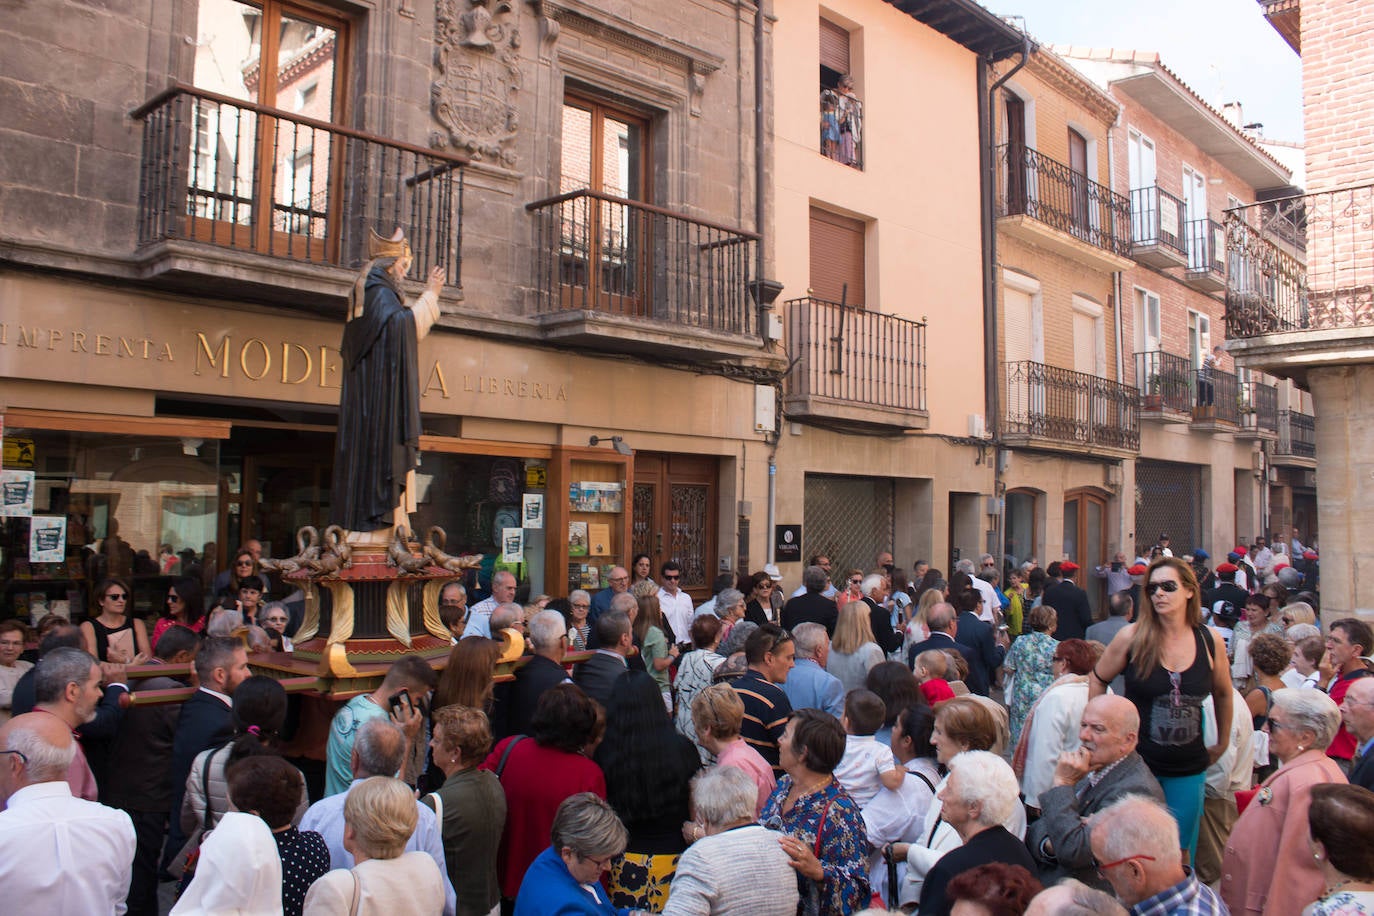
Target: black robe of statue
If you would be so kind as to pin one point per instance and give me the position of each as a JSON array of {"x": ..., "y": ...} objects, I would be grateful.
[{"x": 379, "y": 410}]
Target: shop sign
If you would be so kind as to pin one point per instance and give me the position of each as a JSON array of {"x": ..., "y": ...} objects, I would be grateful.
[{"x": 787, "y": 543}]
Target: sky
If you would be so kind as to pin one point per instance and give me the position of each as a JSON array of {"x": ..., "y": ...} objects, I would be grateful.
[{"x": 1224, "y": 49}]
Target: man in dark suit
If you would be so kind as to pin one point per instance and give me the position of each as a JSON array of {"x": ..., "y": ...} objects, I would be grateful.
[
  {"x": 204, "y": 721},
  {"x": 977, "y": 634},
  {"x": 1108, "y": 731},
  {"x": 811, "y": 607},
  {"x": 1070, "y": 603},
  {"x": 1357, "y": 711},
  {"x": 543, "y": 669},
  {"x": 596, "y": 675},
  {"x": 942, "y": 623},
  {"x": 1119, "y": 606},
  {"x": 875, "y": 589}
]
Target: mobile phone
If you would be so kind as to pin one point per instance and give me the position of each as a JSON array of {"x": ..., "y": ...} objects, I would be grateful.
[{"x": 400, "y": 703}]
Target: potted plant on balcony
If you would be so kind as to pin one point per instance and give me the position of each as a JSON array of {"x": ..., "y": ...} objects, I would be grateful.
[
  {"x": 1154, "y": 394},
  {"x": 1249, "y": 416}
]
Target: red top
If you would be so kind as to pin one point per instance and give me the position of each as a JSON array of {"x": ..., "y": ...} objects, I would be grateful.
[
  {"x": 936, "y": 690},
  {"x": 536, "y": 780}
]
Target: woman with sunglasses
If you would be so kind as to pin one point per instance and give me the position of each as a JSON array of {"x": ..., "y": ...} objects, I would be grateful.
[
  {"x": 115, "y": 635},
  {"x": 1171, "y": 663},
  {"x": 227, "y": 583},
  {"x": 184, "y": 607}
]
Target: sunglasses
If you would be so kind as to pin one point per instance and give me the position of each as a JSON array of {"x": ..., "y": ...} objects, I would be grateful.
[
  {"x": 856, "y": 581},
  {"x": 116, "y": 596},
  {"x": 671, "y": 577},
  {"x": 1169, "y": 585}
]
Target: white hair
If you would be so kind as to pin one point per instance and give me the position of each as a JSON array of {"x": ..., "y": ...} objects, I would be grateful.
[
  {"x": 1301, "y": 631},
  {"x": 1312, "y": 710},
  {"x": 964, "y": 566},
  {"x": 989, "y": 780},
  {"x": 46, "y": 762},
  {"x": 723, "y": 795},
  {"x": 578, "y": 593},
  {"x": 872, "y": 581},
  {"x": 1134, "y": 826},
  {"x": 547, "y": 629}
]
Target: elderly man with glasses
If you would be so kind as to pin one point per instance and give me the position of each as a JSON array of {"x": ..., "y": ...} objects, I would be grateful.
[
  {"x": 1357, "y": 712},
  {"x": 1135, "y": 846}
]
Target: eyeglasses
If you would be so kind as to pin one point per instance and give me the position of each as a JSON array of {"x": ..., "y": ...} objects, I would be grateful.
[
  {"x": 602, "y": 863},
  {"x": 1103, "y": 866},
  {"x": 1176, "y": 689},
  {"x": 1169, "y": 585},
  {"x": 116, "y": 596},
  {"x": 244, "y": 563},
  {"x": 1276, "y": 726},
  {"x": 620, "y": 579},
  {"x": 582, "y": 605},
  {"x": 671, "y": 577},
  {"x": 856, "y": 581},
  {"x": 23, "y": 758}
]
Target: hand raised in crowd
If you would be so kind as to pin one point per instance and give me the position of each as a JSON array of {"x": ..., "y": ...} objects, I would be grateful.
[
  {"x": 1072, "y": 766},
  {"x": 410, "y": 719},
  {"x": 437, "y": 277}
]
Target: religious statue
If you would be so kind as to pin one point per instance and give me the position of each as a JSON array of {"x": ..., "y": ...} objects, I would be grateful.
[{"x": 378, "y": 445}]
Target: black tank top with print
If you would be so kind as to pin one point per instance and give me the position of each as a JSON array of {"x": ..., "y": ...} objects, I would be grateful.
[{"x": 1170, "y": 707}]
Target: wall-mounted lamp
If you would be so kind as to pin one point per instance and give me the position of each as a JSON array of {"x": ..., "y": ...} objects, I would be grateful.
[{"x": 617, "y": 443}]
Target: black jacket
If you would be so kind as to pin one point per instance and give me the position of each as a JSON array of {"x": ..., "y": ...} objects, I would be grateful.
[
  {"x": 881, "y": 621},
  {"x": 977, "y": 635},
  {"x": 995, "y": 844},
  {"x": 596, "y": 675},
  {"x": 203, "y": 723},
  {"x": 1070, "y": 603},
  {"x": 977, "y": 681},
  {"x": 1362, "y": 771},
  {"x": 141, "y": 754},
  {"x": 812, "y": 607},
  {"x": 531, "y": 680}
]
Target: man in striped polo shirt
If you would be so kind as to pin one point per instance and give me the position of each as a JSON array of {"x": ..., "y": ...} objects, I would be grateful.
[{"x": 770, "y": 653}]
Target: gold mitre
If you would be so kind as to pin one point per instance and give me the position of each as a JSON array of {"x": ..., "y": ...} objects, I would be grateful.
[{"x": 394, "y": 247}]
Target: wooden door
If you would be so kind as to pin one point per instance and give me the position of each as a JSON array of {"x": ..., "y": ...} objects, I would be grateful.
[
  {"x": 675, "y": 516},
  {"x": 1085, "y": 540},
  {"x": 1016, "y": 155}
]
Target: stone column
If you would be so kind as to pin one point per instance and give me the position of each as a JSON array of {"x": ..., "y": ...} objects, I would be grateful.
[{"x": 1345, "y": 487}]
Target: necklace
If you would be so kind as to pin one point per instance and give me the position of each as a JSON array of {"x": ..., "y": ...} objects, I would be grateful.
[{"x": 824, "y": 781}]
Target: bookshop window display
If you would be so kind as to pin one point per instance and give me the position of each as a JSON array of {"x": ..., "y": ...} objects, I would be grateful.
[
  {"x": 77, "y": 507},
  {"x": 490, "y": 505}
]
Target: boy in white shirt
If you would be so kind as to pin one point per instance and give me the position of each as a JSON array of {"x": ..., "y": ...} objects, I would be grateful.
[{"x": 867, "y": 764}]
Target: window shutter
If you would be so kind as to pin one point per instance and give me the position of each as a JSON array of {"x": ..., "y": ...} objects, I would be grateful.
[
  {"x": 837, "y": 257},
  {"x": 834, "y": 47},
  {"x": 1016, "y": 312}
]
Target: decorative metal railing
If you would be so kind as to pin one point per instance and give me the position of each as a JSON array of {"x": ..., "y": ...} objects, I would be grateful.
[
  {"x": 1262, "y": 401},
  {"x": 246, "y": 176},
  {"x": 1070, "y": 407},
  {"x": 1157, "y": 219},
  {"x": 1218, "y": 396},
  {"x": 1165, "y": 381},
  {"x": 1297, "y": 435},
  {"x": 602, "y": 253},
  {"x": 1206, "y": 247},
  {"x": 1301, "y": 263},
  {"x": 849, "y": 354},
  {"x": 1047, "y": 190}
]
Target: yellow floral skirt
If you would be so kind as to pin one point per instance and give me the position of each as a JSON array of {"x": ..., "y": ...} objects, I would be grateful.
[{"x": 639, "y": 881}]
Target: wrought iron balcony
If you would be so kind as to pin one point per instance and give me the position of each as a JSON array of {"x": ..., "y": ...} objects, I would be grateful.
[
  {"x": 629, "y": 275},
  {"x": 1218, "y": 401},
  {"x": 1301, "y": 264},
  {"x": 239, "y": 175},
  {"x": 1297, "y": 445},
  {"x": 1259, "y": 410},
  {"x": 855, "y": 367},
  {"x": 842, "y": 128},
  {"x": 1157, "y": 228},
  {"x": 1166, "y": 385},
  {"x": 1206, "y": 255},
  {"x": 1088, "y": 216},
  {"x": 1061, "y": 409}
]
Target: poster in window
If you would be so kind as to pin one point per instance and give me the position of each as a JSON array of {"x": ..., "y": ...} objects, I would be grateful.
[
  {"x": 16, "y": 494},
  {"x": 577, "y": 539},
  {"x": 512, "y": 545},
  {"x": 598, "y": 539},
  {"x": 47, "y": 539},
  {"x": 532, "y": 505}
]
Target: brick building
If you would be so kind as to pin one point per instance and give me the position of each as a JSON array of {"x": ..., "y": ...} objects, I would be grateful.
[
  {"x": 1304, "y": 310},
  {"x": 1210, "y": 435}
]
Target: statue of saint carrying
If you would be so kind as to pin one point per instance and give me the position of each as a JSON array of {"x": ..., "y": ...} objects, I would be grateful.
[{"x": 378, "y": 445}]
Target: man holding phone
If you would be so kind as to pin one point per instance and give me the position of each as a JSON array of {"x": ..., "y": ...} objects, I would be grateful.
[{"x": 403, "y": 696}]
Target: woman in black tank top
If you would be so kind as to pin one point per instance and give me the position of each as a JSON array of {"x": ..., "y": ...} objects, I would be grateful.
[
  {"x": 1172, "y": 663},
  {"x": 114, "y": 634}
]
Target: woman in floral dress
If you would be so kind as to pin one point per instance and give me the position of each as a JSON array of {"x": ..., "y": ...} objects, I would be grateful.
[{"x": 1028, "y": 665}]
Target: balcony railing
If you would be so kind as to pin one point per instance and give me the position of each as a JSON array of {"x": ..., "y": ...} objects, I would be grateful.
[
  {"x": 1068, "y": 407},
  {"x": 1157, "y": 220},
  {"x": 601, "y": 253},
  {"x": 1165, "y": 380},
  {"x": 1218, "y": 397},
  {"x": 241, "y": 175},
  {"x": 842, "y": 128},
  {"x": 1261, "y": 401},
  {"x": 1206, "y": 246},
  {"x": 1269, "y": 289},
  {"x": 844, "y": 353},
  {"x": 1044, "y": 189},
  {"x": 1297, "y": 435}
]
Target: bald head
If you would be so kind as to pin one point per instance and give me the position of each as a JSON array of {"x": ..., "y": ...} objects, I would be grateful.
[
  {"x": 47, "y": 748},
  {"x": 619, "y": 580},
  {"x": 1108, "y": 729},
  {"x": 941, "y": 617},
  {"x": 1357, "y": 709},
  {"x": 506, "y": 616},
  {"x": 1073, "y": 898}
]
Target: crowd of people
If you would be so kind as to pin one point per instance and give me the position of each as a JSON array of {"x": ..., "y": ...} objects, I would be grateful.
[{"x": 878, "y": 742}]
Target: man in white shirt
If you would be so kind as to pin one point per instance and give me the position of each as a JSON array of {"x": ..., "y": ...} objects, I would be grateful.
[
  {"x": 675, "y": 603},
  {"x": 379, "y": 749},
  {"x": 59, "y": 855},
  {"x": 992, "y": 607},
  {"x": 502, "y": 592}
]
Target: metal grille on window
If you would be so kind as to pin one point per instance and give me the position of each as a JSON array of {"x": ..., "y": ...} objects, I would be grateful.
[
  {"x": 642, "y": 525},
  {"x": 1168, "y": 500},
  {"x": 848, "y": 519},
  {"x": 689, "y": 533}
]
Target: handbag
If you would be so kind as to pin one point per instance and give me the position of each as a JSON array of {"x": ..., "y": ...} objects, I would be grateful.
[{"x": 183, "y": 864}]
